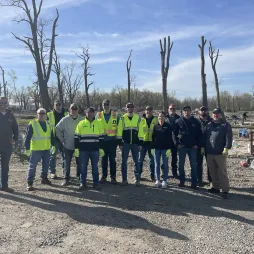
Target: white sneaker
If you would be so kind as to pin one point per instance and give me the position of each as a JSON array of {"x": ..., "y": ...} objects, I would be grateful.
[
  {"x": 164, "y": 185},
  {"x": 157, "y": 183}
]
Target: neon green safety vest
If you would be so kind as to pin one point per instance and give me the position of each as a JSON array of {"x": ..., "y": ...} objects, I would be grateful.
[
  {"x": 109, "y": 128},
  {"x": 40, "y": 140},
  {"x": 148, "y": 131},
  {"x": 51, "y": 118}
]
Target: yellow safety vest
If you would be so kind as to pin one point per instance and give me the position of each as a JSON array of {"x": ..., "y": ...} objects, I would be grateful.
[
  {"x": 146, "y": 130},
  {"x": 109, "y": 128},
  {"x": 52, "y": 120},
  {"x": 40, "y": 140}
]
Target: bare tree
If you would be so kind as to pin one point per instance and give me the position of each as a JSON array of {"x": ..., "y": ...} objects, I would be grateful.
[
  {"x": 34, "y": 94},
  {"x": 165, "y": 50},
  {"x": 4, "y": 83},
  {"x": 40, "y": 46},
  {"x": 117, "y": 91},
  {"x": 203, "y": 75},
  {"x": 59, "y": 75},
  {"x": 128, "y": 68},
  {"x": 72, "y": 85},
  {"x": 214, "y": 58},
  {"x": 85, "y": 56}
]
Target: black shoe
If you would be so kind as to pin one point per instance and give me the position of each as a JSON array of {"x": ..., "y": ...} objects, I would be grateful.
[
  {"x": 181, "y": 184},
  {"x": 45, "y": 181},
  {"x": 65, "y": 183},
  {"x": 29, "y": 187},
  {"x": 225, "y": 195},
  {"x": 176, "y": 176},
  {"x": 96, "y": 186},
  {"x": 124, "y": 183},
  {"x": 201, "y": 184},
  {"x": 103, "y": 180},
  {"x": 7, "y": 189},
  {"x": 113, "y": 181},
  {"x": 194, "y": 186},
  {"x": 82, "y": 187},
  {"x": 153, "y": 179},
  {"x": 213, "y": 190}
]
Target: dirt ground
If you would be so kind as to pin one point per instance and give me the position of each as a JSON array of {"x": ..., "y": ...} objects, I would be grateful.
[{"x": 120, "y": 219}]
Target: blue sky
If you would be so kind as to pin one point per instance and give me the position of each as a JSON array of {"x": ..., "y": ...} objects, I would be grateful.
[{"x": 112, "y": 27}]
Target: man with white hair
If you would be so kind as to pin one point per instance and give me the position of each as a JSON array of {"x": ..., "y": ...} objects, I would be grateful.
[
  {"x": 39, "y": 137},
  {"x": 8, "y": 137}
]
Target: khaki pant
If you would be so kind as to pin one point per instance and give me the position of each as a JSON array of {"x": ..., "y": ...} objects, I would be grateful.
[{"x": 217, "y": 168}]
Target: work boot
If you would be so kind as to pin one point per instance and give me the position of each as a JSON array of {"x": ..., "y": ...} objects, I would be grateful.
[
  {"x": 53, "y": 176},
  {"x": 225, "y": 195},
  {"x": 194, "y": 186},
  {"x": 7, "y": 189},
  {"x": 213, "y": 190},
  {"x": 45, "y": 181},
  {"x": 181, "y": 184},
  {"x": 96, "y": 186},
  {"x": 103, "y": 180},
  {"x": 65, "y": 183},
  {"x": 113, "y": 180},
  {"x": 82, "y": 187},
  {"x": 29, "y": 187},
  {"x": 137, "y": 183},
  {"x": 125, "y": 182}
]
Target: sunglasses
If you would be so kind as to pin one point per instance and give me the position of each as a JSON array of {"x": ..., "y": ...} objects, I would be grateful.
[
  {"x": 58, "y": 105},
  {"x": 74, "y": 108},
  {"x": 42, "y": 113},
  {"x": 130, "y": 107},
  {"x": 105, "y": 104},
  {"x": 172, "y": 108}
]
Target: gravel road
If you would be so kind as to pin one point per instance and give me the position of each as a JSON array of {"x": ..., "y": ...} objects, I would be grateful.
[{"x": 120, "y": 219}]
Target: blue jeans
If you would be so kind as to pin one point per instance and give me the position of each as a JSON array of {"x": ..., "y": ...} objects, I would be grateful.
[
  {"x": 52, "y": 161},
  {"x": 192, "y": 154},
  {"x": 5, "y": 155},
  {"x": 142, "y": 155},
  {"x": 84, "y": 157},
  {"x": 125, "y": 154},
  {"x": 158, "y": 154},
  {"x": 35, "y": 158}
]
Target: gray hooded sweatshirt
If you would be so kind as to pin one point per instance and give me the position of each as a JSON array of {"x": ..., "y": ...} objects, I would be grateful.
[{"x": 65, "y": 130}]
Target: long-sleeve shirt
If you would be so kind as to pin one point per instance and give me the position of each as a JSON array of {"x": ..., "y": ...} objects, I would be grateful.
[
  {"x": 29, "y": 134},
  {"x": 8, "y": 129},
  {"x": 188, "y": 132}
]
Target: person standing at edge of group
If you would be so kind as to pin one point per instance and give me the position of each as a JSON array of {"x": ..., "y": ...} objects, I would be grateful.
[
  {"x": 162, "y": 144},
  {"x": 218, "y": 140},
  {"x": 65, "y": 131},
  {"x": 148, "y": 122},
  {"x": 54, "y": 118},
  {"x": 188, "y": 138},
  {"x": 8, "y": 137},
  {"x": 38, "y": 140},
  {"x": 131, "y": 133},
  {"x": 88, "y": 145},
  {"x": 109, "y": 121},
  {"x": 204, "y": 119},
  {"x": 171, "y": 118}
]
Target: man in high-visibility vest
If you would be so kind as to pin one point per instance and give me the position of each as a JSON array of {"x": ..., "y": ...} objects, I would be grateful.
[
  {"x": 148, "y": 122},
  {"x": 88, "y": 143},
  {"x": 39, "y": 138},
  {"x": 109, "y": 120},
  {"x": 54, "y": 118},
  {"x": 131, "y": 133}
]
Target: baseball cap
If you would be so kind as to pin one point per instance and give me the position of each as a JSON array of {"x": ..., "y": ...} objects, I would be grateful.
[
  {"x": 105, "y": 102},
  {"x": 217, "y": 111},
  {"x": 74, "y": 105},
  {"x": 149, "y": 108},
  {"x": 129, "y": 104},
  {"x": 203, "y": 108},
  {"x": 90, "y": 109},
  {"x": 186, "y": 107}
]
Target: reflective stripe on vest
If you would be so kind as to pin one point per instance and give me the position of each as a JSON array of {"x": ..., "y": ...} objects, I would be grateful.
[
  {"x": 109, "y": 128},
  {"x": 40, "y": 139}
]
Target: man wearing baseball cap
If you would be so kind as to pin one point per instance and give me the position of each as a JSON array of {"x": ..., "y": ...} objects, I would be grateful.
[
  {"x": 218, "y": 140},
  {"x": 204, "y": 119}
]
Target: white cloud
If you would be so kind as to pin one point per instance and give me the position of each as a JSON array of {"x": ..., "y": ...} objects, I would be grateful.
[{"x": 185, "y": 79}]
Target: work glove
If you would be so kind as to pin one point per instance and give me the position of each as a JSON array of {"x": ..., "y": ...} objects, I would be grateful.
[
  {"x": 202, "y": 151},
  {"x": 168, "y": 152},
  {"x": 152, "y": 152},
  {"x": 225, "y": 152},
  {"x": 28, "y": 153},
  {"x": 76, "y": 153},
  {"x": 101, "y": 151},
  {"x": 53, "y": 150}
]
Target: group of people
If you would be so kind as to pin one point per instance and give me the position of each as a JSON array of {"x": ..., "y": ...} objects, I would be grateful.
[{"x": 168, "y": 136}]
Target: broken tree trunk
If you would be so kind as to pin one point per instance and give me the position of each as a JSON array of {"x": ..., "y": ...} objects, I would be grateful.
[{"x": 128, "y": 68}]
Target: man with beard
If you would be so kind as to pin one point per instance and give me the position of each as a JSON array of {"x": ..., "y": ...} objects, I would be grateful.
[{"x": 204, "y": 119}]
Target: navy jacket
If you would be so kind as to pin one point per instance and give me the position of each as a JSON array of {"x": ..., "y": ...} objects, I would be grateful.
[
  {"x": 188, "y": 132},
  {"x": 171, "y": 119},
  {"x": 218, "y": 136}
]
